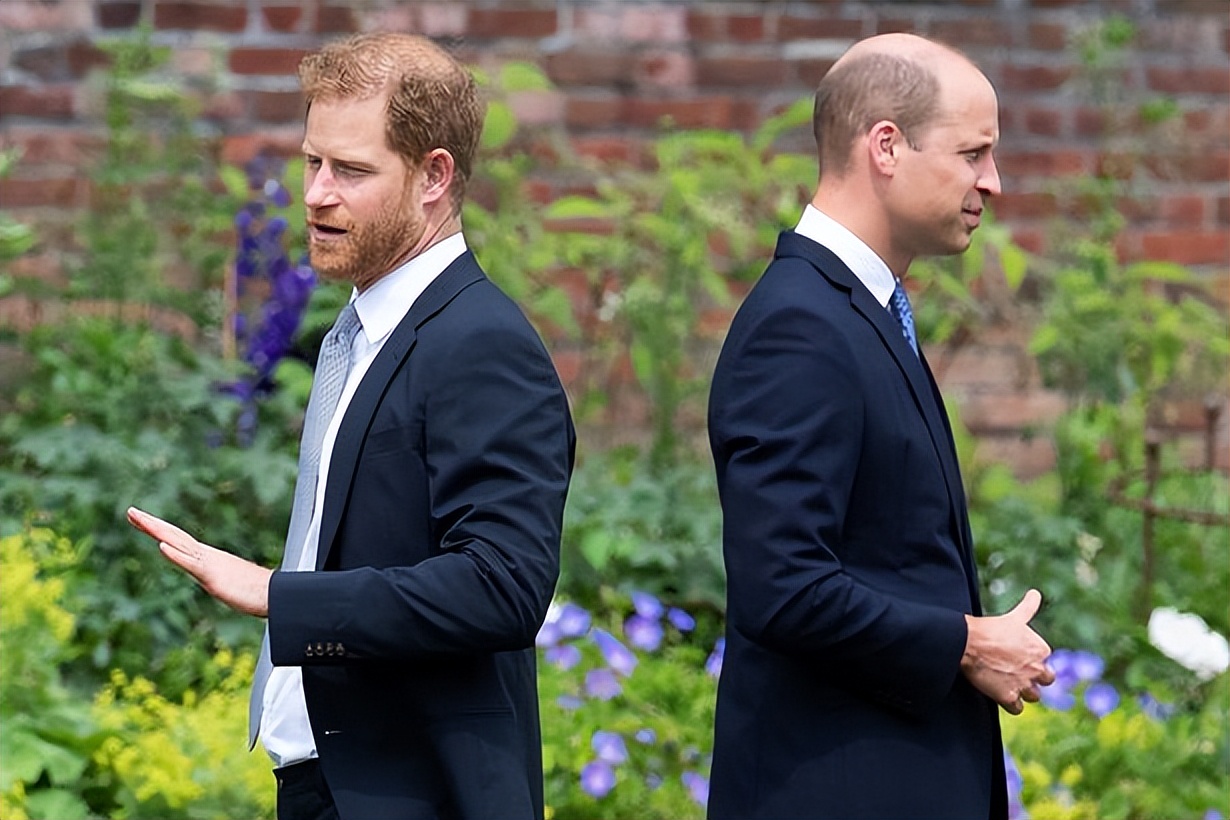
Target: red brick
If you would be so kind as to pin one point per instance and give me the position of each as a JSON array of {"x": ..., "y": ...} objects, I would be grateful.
[
  {"x": 893, "y": 25},
  {"x": 511, "y": 22},
  {"x": 83, "y": 56},
  {"x": 596, "y": 225},
  {"x": 647, "y": 24},
  {"x": 441, "y": 19},
  {"x": 44, "y": 102},
  {"x": 744, "y": 113},
  {"x": 1203, "y": 80},
  {"x": 811, "y": 72},
  {"x": 976, "y": 31},
  {"x": 1013, "y": 206},
  {"x": 282, "y": 18},
  {"x": 52, "y": 146},
  {"x": 1184, "y": 210},
  {"x": 46, "y": 63},
  {"x": 540, "y": 107},
  {"x": 665, "y": 69},
  {"x": 1186, "y": 247},
  {"x": 706, "y": 27},
  {"x": 1032, "y": 240},
  {"x": 1048, "y": 36},
  {"x": 1054, "y": 4},
  {"x": 335, "y": 20},
  {"x": 746, "y": 28},
  {"x": 593, "y": 111},
  {"x": 118, "y": 15},
  {"x": 697, "y": 112},
  {"x": 740, "y": 72},
  {"x": 1197, "y": 166},
  {"x": 568, "y": 364},
  {"x": 1223, "y": 210},
  {"x": 1091, "y": 122},
  {"x": 1000, "y": 412},
  {"x": 985, "y": 368},
  {"x": 59, "y": 192},
  {"x": 284, "y": 142},
  {"x": 200, "y": 16},
  {"x": 590, "y": 66},
  {"x": 1034, "y": 78},
  {"x": 266, "y": 61},
  {"x": 1043, "y": 163},
  {"x": 275, "y": 106},
  {"x": 1135, "y": 209},
  {"x": 610, "y": 149},
  {"x": 792, "y": 27},
  {"x": 1046, "y": 122},
  {"x": 1028, "y": 456}
]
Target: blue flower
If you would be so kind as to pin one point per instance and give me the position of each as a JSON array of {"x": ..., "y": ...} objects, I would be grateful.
[
  {"x": 714, "y": 664},
  {"x": 1016, "y": 809},
  {"x": 597, "y": 779},
  {"x": 680, "y": 619},
  {"x": 573, "y": 620},
  {"x": 565, "y": 656},
  {"x": 697, "y": 786},
  {"x": 646, "y": 605},
  {"x": 617, "y": 656},
  {"x": 1101, "y": 699},
  {"x": 602, "y": 684},
  {"x": 1154, "y": 708},
  {"x": 569, "y": 702},
  {"x": 548, "y": 635},
  {"x": 1214, "y": 814},
  {"x": 646, "y": 736},
  {"x": 1058, "y": 697},
  {"x": 643, "y": 633},
  {"x": 1087, "y": 666},
  {"x": 609, "y": 746}
]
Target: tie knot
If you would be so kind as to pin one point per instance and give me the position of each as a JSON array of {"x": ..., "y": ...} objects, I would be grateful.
[{"x": 344, "y": 329}]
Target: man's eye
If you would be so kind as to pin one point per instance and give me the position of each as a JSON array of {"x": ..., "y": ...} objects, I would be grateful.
[{"x": 312, "y": 162}]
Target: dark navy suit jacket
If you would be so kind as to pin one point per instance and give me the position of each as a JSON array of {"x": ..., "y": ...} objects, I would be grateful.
[
  {"x": 849, "y": 565},
  {"x": 438, "y": 557}
]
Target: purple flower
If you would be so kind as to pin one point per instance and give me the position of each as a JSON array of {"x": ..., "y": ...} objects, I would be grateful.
[
  {"x": 565, "y": 656},
  {"x": 609, "y": 746},
  {"x": 1101, "y": 699},
  {"x": 1058, "y": 697},
  {"x": 602, "y": 684},
  {"x": 646, "y": 605},
  {"x": 1016, "y": 809},
  {"x": 697, "y": 786},
  {"x": 646, "y": 736},
  {"x": 617, "y": 656},
  {"x": 653, "y": 781},
  {"x": 714, "y": 664},
  {"x": 1061, "y": 663},
  {"x": 643, "y": 633},
  {"x": 680, "y": 619},
  {"x": 597, "y": 779},
  {"x": 572, "y": 620},
  {"x": 1214, "y": 814},
  {"x": 569, "y": 702},
  {"x": 1154, "y": 708},
  {"x": 1087, "y": 666},
  {"x": 548, "y": 635}
]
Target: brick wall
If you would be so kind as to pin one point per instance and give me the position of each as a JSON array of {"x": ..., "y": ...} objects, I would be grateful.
[{"x": 621, "y": 66}]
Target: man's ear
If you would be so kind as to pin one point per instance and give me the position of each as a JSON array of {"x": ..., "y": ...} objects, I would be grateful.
[
  {"x": 438, "y": 169},
  {"x": 885, "y": 142}
]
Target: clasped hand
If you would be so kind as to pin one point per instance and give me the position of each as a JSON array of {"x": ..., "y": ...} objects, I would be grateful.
[
  {"x": 1005, "y": 658},
  {"x": 240, "y": 584}
]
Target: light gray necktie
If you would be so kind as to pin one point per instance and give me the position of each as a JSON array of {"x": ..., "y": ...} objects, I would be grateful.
[{"x": 331, "y": 370}]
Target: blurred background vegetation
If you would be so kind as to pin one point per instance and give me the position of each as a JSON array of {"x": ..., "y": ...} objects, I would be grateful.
[{"x": 123, "y": 688}]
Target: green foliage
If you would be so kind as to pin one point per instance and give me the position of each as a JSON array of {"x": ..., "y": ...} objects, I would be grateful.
[
  {"x": 153, "y": 216},
  {"x": 48, "y": 736},
  {"x": 668, "y": 699},
  {"x": 658, "y": 531},
  {"x": 113, "y": 415},
  {"x": 1127, "y": 764},
  {"x": 15, "y": 238}
]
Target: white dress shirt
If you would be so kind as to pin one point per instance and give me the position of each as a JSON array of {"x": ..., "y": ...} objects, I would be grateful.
[
  {"x": 285, "y": 730},
  {"x": 870, "y": 269}
]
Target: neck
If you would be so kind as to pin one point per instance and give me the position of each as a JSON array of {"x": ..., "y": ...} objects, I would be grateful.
[{"x": 842, "y": 204}]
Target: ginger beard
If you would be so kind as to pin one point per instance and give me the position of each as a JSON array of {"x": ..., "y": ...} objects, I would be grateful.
[{"x": 341, "y": 248}]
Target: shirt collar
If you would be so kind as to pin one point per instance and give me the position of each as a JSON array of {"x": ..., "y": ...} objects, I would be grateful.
[
  {"x": 870, "y": 269},
  {"x": 382, "y": 306}
]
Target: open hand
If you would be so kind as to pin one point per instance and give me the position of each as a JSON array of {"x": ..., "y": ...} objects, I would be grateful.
[
  {"x": 240, "y": 584},
  {"x": 1005, "y": 659}
]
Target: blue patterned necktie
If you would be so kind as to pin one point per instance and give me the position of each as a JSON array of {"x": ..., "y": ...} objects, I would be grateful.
[
  {"x": 332, "y": 368},
  {"x": 900, "y": 306}
]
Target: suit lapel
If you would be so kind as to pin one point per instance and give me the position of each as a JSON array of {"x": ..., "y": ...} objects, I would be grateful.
[
  {"x": 913, "y": 368},
  {"x": 463, "y": 272}
]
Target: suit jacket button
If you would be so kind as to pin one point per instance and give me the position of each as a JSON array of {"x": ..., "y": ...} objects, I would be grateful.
[
  {"x": 308, "y": 651},
  {"x": 341, "y": 650},
  {"x": 320, "y": 650}
]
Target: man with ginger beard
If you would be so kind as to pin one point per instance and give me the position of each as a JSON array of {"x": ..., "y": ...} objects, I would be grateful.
[
  {"x": 398, "y": 676},
  {"x": 860, "y": 678}
]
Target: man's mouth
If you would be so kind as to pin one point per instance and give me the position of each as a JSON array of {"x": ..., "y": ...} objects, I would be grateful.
[{"x": 321, "y": 229}]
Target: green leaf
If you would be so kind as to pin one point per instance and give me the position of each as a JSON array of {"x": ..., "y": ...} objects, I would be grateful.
[
  {"x": 523, "y": 76},
  {"x": 1014, "y": 262},
  {"x": 58, "y": 803},
  {"x": 499, "y": 127},
  {"x": 577, "y": 207},
  {"x": 596, "y": 546}
]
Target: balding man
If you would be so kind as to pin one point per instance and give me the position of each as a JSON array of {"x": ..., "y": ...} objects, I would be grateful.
[
  {"x": 860, "y": 677},
  {"x": 398, "y": 676}
]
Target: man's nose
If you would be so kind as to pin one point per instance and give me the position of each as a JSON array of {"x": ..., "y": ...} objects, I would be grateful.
[{"x": 988, "y": 182}]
